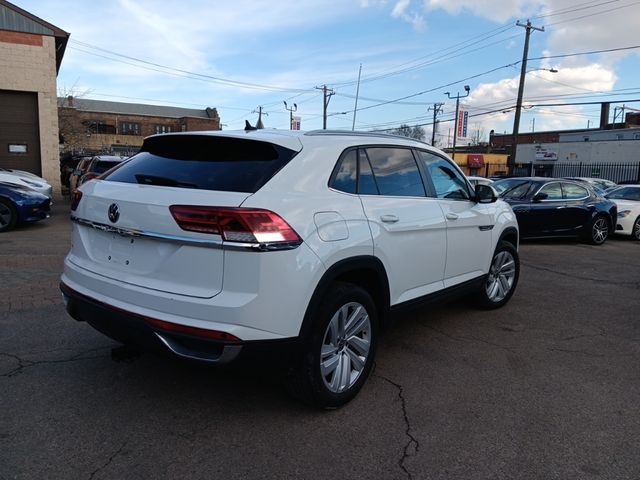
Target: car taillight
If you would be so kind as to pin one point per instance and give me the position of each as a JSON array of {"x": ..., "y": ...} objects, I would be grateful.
[
  {"x": 245, "y": 225},
  {"x": 76, "y": 196}
]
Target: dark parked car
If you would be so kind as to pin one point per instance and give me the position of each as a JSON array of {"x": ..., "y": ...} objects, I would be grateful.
[
  {"x": 551, "y": 207},
  {"x": 21, "y": 205}
]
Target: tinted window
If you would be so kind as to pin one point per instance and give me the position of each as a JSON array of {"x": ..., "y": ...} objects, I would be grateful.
[
  {"x": 501, "y": 186},
  {"x": 447, "y": 181},
  {"x": 103, "y": 165},
  {"x": 396, "y": 172},
  {"x": 625, "y": 193},
  {"x": 204, "y": 162},
  {"x": 518, "y": 191},
  {"x": 553, "y": 191},
  {"x": 574, "y": 192},
  {"x": 345, "y": 177},
  {"x": 366, "y": 181}
]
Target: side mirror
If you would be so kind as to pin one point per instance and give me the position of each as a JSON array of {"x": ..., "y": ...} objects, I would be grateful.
[
  {"x": 485, "y": 194},
  {"x": 538, "y": 197}
]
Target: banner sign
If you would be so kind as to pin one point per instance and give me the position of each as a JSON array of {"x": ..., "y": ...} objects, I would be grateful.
[
  {"x": 295, "y": 123},
  {"x": 463, "y": 123}
]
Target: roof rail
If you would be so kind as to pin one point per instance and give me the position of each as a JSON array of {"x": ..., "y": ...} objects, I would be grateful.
[{"x": 352, "y": 133}]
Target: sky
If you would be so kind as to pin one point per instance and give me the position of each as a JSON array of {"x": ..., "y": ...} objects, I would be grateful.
[{"x": 238, "y": 56}]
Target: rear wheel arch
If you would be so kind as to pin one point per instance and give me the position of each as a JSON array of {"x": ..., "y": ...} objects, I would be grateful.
[{"x": 365, "y": 271}]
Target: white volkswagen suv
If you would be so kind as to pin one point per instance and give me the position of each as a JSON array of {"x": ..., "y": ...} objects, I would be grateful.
[{"x": 213, "y": 245}]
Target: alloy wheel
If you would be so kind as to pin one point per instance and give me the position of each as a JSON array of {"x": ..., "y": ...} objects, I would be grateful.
[
  {"x": 345, "y": 347},
  {"x": 636, "y": 229},
  {"x": 600, "y": 230},
  {"x": 501, "y": 276}
]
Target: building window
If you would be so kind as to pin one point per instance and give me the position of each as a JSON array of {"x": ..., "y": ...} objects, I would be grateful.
[
  {"x": 163, "y": 128},
  {"x": 127, "y": 128},
  {"x": 99, "y": 126}
]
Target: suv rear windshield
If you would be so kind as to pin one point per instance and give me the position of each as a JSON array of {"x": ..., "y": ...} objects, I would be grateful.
[{"x": 203, "y": 162}]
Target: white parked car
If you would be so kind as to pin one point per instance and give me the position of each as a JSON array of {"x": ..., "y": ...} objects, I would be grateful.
[
  {"x": 627, "y": 198},
  {"x": 26, "y": 179},
  {"x": 213, "y": 245}
]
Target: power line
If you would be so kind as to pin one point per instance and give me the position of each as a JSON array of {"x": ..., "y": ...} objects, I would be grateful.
[
  {"x": 215, "y": 79},
  {"x": 593, "y": 14},
  {"x": 592, "y": 52},
  {"x": 574, "y": 8}
]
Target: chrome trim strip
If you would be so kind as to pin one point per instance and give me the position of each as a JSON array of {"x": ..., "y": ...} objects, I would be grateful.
[
  {"x": 209, "y": 243},
  {"x": 229, "y": 352}
]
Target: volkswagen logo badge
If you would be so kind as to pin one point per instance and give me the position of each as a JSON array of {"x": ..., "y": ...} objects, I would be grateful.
[{"x": 114, "y": 212}]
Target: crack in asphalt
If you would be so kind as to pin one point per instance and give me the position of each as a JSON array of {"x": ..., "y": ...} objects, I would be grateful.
[
  {"x": 24, "y": 364},
  {"x": 413, "y": 446},
  {"x": 468, "y": 339},
  {"x": 106, "y": 464},
  {"x": 634, "y": 285}
]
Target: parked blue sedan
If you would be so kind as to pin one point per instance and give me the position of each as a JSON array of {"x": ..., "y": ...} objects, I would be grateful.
[{"x": 21, "y": 205}]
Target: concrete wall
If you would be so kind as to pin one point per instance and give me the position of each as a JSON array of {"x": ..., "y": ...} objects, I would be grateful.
[
  {"x": 620, "y": 151},
  {"x": 28, "y": 64}
]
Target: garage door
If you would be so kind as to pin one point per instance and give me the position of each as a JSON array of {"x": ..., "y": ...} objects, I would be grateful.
[{"x": 19, "y": 132}]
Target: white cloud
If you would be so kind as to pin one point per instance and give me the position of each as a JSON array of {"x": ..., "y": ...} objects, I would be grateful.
[{"x": 541, "y": 87}]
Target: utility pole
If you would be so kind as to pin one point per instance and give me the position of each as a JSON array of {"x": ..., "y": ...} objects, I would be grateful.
[
  {"x": 436, "y": 110},
  {"x": 355, "y": 108},
  {"x": 290, "y": 110},
  {"x": 455, "y": 126},
  {"x": 259, "y": 124},
  {"x": 523, "y": 72},
  {"x": 326, "y": 94}
]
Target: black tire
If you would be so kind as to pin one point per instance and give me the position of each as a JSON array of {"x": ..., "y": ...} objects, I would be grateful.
[
  {"x": 305, "y": 380},
  {"x": 502, "y": 278},
  {"x": 635, "y": 232},
  {"x": 599, "y": 230},
  {"x": 8, "y": 215}
]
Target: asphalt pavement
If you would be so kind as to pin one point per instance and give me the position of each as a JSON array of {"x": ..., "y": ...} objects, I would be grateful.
[{"x": 547, "y": 387}]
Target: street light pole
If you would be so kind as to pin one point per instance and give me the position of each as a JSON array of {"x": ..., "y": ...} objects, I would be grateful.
[
  {"x": 290, "y": 110},
  {"x": 523, "y": 72},
  {"x": 455, "y": 126}
]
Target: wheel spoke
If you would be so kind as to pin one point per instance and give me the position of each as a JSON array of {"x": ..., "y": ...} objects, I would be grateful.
[
  {"x": 360, "y": 345},
  {"x": 330, "y": 365},
  {"x": 357, "y": 362},
  {"x": 358, "y": 323},
  {"x": 345, "y": 380},
  {"x": 328, "y": 350}
]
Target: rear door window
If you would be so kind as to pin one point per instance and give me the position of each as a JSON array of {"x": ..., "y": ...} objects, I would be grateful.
[{"x": 204, "y": 162}]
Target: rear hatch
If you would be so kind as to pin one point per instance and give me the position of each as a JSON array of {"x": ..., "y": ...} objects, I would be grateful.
[{"x": 124, "y": 227}]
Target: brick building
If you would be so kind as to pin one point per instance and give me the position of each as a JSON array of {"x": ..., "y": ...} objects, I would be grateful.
[
  {"x": 31, "y": 51},
  {"x": 96, "y": 126}
]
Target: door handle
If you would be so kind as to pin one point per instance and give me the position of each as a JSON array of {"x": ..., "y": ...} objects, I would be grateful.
[
  {"x": 452, "y": 216},
  {"x": 389, "y": 218}
]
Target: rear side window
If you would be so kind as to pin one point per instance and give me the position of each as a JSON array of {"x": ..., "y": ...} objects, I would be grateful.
[
  {"x": 204, "y": 162},
  {"x": 347, "y": 173}
]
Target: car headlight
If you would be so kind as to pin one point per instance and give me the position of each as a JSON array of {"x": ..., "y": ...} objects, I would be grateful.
[
  {"x": 624, "y": 213},
  {"x": 33, "y": 184}
]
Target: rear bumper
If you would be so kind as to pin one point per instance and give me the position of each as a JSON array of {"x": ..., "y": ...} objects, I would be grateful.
[{"x": 142, "y": 332}]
